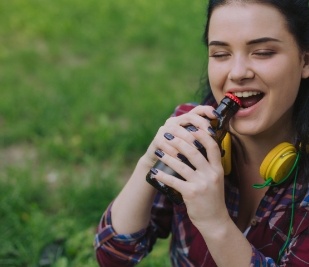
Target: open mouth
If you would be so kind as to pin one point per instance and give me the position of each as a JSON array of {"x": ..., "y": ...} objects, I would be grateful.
[{"x": 249, "y": 98}]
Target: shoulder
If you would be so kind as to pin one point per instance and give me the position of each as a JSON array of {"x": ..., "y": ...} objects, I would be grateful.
[
  {"x": 183, "y": 108},
  {"x": 186, "y": 107}
]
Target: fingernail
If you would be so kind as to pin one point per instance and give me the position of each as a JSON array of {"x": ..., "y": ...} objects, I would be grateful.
[
  {"x": 211, "y": 130},
  {"x": 192, "y": 128},
  {"x": 198, "y": 144},
  {"x": 159, "y": 153},
  {"x": 169, "y": 136},
  {"x": 181, "y": 157},
  {"x": 154, "y": 171}
]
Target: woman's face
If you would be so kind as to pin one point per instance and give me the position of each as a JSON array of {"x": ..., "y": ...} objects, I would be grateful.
[{"x": 253, "y": 55}]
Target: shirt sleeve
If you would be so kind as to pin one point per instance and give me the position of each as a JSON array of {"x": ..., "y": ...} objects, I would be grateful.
[
  {"x": 183, "y": 109},
  {"x": 118, "y": 250},
  {"x": 114, "y": 250}
]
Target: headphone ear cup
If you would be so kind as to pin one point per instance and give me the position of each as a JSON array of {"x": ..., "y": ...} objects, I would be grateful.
[
  {"x": 278, "y": 162},
  {"x": 226, "y": 160}
]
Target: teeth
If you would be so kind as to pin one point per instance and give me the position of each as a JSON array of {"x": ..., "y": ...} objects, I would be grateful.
[{"x": 246, "y": 94}]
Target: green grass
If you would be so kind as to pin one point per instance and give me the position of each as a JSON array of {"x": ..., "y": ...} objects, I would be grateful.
[{"x": 84, "y": 87}]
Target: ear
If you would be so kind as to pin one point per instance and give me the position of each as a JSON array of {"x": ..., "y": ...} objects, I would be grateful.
[{"x": 305, "y": 71}]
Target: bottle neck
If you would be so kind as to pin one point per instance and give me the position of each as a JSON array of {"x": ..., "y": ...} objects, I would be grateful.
[{"x": 224, "y": 112}]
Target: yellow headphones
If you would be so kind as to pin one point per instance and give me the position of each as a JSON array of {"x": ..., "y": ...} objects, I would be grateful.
[
  {"x": 226, "y": 160},
  {"x": 276, "y": 166}
]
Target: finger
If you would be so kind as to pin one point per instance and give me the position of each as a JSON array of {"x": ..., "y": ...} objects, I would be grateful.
[
  {"x": 212, "y": 148},
  {"x": 198, "y": 117},
  {"x": 179, "y": 164},
  {"x": 170, "y": 142},
  {"x": 203, "y": 111},
  {"x": 161, "y": 142},
  {"x": 206, "y": 139},
  {"x": 169, "y": 180},
  {"x": 191, "y": 147}
]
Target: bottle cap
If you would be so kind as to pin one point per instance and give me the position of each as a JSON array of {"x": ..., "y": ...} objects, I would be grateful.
[{"x": 234, "y": 98}]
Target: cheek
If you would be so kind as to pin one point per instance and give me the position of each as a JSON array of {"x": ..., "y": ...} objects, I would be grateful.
[
  {"x": 217, "y": 77},
  {"x": 283, "y": 73},
  {"x": 285, "y": 82}
]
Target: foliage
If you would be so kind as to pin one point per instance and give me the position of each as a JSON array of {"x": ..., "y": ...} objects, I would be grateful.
[{"x": 84, "y": 86}]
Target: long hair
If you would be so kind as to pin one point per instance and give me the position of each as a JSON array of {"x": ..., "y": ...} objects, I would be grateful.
[{"x": 296, "y": 14}]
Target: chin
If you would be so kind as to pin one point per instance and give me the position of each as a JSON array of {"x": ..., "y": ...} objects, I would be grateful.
[{"x": 244, "y": 129}]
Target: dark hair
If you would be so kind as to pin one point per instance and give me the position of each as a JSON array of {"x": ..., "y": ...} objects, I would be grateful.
[{"x": 296, "y": 13}]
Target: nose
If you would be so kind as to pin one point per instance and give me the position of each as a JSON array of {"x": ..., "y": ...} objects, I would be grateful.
[{"x": 240, "y": 70}]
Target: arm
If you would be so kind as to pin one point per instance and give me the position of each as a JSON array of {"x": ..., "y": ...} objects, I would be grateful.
[
  {"x": 133, "y": 204},
  {"x": 125, "y": 235},
  {"x": 228, "y": 236},
  {"x": 115, "y": 249},
  {"x": 295, "y": 255},
  {"x": 137, "y": 217},
  {"x": 227, "y": 245},
  {"x": 203, "y": 192}
]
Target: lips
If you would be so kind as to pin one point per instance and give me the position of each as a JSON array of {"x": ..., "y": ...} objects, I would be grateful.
[{"x": 248, "y": 98}]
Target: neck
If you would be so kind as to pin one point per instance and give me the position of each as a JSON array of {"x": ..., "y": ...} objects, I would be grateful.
[{"x": 251, "y": 151}]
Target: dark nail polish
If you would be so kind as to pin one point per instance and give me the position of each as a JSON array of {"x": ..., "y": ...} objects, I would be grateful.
[
  {"x": 226, "y": 109},
  {"x": 182, "y": 157},
  {"x": 192, "y": 128},
  {"x": 169, "y": 136},
  {"x": 185, "y": 160},
  {"x": 212, "y": 131},
  {"x": 159, "y": 153},
  {"x": 198, "y": 144},
  {"x": 154, "y": 171}
]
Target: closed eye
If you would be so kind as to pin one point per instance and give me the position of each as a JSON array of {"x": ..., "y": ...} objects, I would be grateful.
[
  {"x": 264, "y": 53},
  {"x": 219, "y": 55}
]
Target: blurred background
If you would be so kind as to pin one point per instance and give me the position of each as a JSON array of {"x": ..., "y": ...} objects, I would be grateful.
[{"x": 84, "y": 86}]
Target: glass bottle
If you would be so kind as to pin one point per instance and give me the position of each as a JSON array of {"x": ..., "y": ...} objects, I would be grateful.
[{"x": 228, "y": 106}]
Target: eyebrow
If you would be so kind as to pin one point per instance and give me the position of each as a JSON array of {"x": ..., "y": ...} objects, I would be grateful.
[
  {"x": 255, "y": 41},
  {"x": 263, "y": 40}
]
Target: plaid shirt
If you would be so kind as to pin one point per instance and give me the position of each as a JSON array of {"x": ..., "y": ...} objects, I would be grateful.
[{"x": 267, "y": 233}]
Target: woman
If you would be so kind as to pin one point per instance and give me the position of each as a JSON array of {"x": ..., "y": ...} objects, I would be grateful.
[{"x": 258, "y": 51}]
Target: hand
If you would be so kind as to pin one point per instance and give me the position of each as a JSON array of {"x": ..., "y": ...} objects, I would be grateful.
[
  {"x": 175, "y": 126},
  {"x": 203, "y": 190}
]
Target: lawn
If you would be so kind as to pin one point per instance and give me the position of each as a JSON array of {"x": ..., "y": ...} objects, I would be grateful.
[{"x": 84, "y": 87}]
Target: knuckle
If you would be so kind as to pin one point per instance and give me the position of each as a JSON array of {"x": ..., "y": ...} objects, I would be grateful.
[
  {"x": 216, "y": 177},
  {"x": 170, "y": 180},
  {"x": 170, "y": 120},
  {"x": 195, "y": 153},
  {"x": 177, "y": 141},
  {"x": 183, "y": 169},
  {"x": 192, "y": 192}
]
